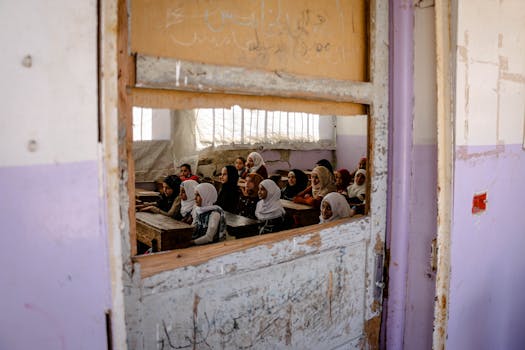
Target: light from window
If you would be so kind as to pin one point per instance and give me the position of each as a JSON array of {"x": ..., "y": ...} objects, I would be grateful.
[
  {"x": 142, "y": 124},
  {"x": 238, "y": 126}
]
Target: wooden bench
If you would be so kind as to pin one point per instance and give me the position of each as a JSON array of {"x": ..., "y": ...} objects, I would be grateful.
[
  {"x": 161, "y": 232},
  {"x": 302, "y": 214},
  {"x": 241, "y": 226}
]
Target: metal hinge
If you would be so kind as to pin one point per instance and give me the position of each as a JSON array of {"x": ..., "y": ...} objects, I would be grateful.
[{"x": 379, "y": 284}]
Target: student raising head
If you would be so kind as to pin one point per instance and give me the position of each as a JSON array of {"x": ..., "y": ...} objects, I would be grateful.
[
  {"x": 334, "y": 206},
  {"x": 209, "y": 221},
  {"x": 229, "y": 193}
]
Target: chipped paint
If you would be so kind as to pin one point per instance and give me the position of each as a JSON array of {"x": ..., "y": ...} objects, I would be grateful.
[{"x": 372, "y": 327}]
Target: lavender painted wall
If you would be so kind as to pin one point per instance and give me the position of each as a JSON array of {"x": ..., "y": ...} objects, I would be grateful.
[
  {"x": 487, "y": 260},
  {"x": 55, "y": 282},
  {"x": 351, "y": 148}
]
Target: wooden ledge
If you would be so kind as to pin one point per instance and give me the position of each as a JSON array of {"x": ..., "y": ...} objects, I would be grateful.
[{"x": 152, "y": 264}]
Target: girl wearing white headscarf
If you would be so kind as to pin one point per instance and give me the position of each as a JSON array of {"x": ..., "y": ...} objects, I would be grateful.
[
  {"x": 357, "y": 190},
  {"x": 321, "y": 185},
  {"x": 255, "y": 164},
  {"x": 333, "y": 207},
  {"x": 269, "y": 210},
  {"x": 187, "y": 194},
  {"x": 209, "y": 221}
]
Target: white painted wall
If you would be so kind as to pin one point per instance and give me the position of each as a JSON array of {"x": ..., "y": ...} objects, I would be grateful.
[
  {"x": 54, "y": 100},
  {"x": 490, "y": 107}
]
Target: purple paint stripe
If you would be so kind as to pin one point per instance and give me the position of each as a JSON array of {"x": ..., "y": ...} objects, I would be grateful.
[
  {"x": 400, "y": 153},
  {"x": 486, "y": 301},
  {"x": 55, "y": 281}
]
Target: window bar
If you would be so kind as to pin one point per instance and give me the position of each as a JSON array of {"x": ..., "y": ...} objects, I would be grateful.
[
  {"x": 223, "y": 125},
  {"x": 265, "y": 126},
  {"x": 243, "y": 115},
  {"x": 140, "y": 125},
  {"x": 213, "y": 130}
]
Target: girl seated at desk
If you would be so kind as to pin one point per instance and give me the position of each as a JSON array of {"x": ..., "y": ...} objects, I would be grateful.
[
  {"x": 357, "y": 192},
  {"x": 321, "y": 185},
  {"x": 229, "y": 193},
  {"x": 209, "y": 221},
  {"x": 255, "y": 164},
  {"x": 187, "y": 195},
  {"x": 297, "y": 182},
  {"x": 249, "y": 198},
  {"x": 333, "y": 207},
  {"x": 342, "y": 180},
  {"x": 269, "y": 210},
  {"x": 169, "y": 202}
]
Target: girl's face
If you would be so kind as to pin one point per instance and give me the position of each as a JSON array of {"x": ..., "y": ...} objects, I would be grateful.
[
  {"x": 292, "y": 180},
  {"x": 250, "y": 185},
  {"x": 326, "y": 210},
  {"x": 239, "y": 164},
  {"x": 249, "y": 162},
  {"x": 338, "y": 178},
  {"x": 224, "y": 176},
  {"x": 198, "y": 199},
  {"x": 183, "y": 194},
  {"x": 360, "y": 179},
  {"x": 315, "y": 179},
  {"x": 262, "y": 192},
  {"x": 167, "y": 190}
]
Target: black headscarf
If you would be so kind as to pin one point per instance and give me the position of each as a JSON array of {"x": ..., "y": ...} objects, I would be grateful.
[
  {"x": 228, "y": 197},
  {"x": 301, "y": 183},
  {"x": 165, "y": 202}
]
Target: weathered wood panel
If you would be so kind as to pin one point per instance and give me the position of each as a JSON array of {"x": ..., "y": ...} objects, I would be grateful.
[
  {"x": 317, "y": 302},
  {"x": 288, "y": 36}
]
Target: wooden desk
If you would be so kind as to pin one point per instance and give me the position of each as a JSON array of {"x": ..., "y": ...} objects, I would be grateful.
[
  {"x": 146, "y": 196},
  {"x": 161, "y": 232},
  {"x": 241, "y": 226},
  {"x": 302, "y": 214}
]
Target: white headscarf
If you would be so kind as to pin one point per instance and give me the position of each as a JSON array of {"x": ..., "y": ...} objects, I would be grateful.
[
  {"x": 189, "y": 189},
  {"x": 270, "y": 207},
  {"x": 257, "y": 161},
  {"x": 208, "y": 194},
  {"x": 338, "y": 204},
  {"x": 355, "y": 190}
]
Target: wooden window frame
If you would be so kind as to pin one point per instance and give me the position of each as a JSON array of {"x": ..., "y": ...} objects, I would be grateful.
[{"x": 343, "y": 98}]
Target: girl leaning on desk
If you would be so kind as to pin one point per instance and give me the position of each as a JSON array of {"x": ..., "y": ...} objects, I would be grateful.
[{"x": 169, "y": 203}]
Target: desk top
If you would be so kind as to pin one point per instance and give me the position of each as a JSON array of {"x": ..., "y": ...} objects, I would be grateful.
[
  {"x": 233, "y": 220},
  {"x": 139, "y": 192},
  {"x": 161, "y": 222},
  {"x": 296, "y": 206}
]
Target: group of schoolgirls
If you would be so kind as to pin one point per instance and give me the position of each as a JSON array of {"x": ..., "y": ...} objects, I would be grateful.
[
  {"x": 338, "y": 194},
  {"x": 199, "y": 204}
]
